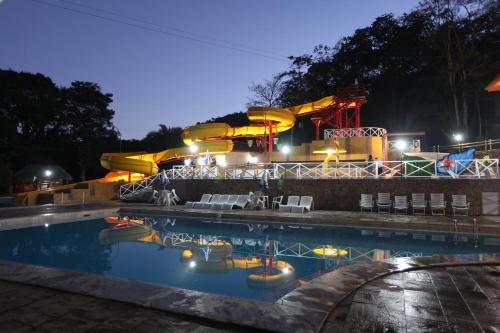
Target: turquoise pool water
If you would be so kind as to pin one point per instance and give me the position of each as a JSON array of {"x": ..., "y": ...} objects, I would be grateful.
[{"x": 244, "y": 259}]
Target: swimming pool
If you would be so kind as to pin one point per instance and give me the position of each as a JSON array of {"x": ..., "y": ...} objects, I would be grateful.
[{"x": 253, "y": 259}]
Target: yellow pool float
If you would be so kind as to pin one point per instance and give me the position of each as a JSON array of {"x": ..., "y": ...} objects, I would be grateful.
[{"x": 330, "y": 251}]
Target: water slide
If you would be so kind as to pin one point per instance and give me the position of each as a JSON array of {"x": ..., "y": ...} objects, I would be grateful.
[{"x": 215, "y": 137}]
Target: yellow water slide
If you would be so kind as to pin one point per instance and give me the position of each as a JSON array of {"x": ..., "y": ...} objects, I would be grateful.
[{"x": 215, "y": 137}]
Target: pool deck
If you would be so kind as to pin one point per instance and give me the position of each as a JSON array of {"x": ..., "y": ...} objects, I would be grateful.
[
  {"x": 397, "y": 295},
  {"x": 28, "y": 216}
]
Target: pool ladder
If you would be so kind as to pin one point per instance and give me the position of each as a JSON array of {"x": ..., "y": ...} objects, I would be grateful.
[
  {"x": 475, "y": 230},
  {"x": 455, "y": 236}
]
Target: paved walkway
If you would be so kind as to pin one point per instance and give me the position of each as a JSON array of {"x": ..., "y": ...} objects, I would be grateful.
[
  {"x": 453, "y": 299},
  {"x": 32, "y": 309}
]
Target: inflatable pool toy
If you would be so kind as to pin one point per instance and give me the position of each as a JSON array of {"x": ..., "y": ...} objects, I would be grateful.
[
  {"x": 129, "y": 233},
  {"x": 280, "y": 273}
]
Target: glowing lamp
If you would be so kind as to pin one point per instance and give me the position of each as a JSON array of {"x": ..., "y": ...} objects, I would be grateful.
[
  {"x": 401, "y": 145},
  {"x": 458, "y": 137},
  {"x": 286, "y": 270},
  {"x": 192, "y": 264},
  {"x": 187, "y": 162},
  {"x": 48, "y": 173},
  {"x": 285, "y": 150},
  {"x": 193, "y": 149}
]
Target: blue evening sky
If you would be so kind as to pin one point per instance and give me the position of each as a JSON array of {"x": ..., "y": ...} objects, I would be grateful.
[{"x": 157, "y": 78}]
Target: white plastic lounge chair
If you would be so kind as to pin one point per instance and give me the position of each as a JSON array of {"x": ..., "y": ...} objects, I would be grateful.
[
  {"x": 384, "y": 202},
  {"x": 366, "y": 202},
  {"x": 460, "y": 205},
  {"x": 293, "y": 200},
  {"x": 231, "y": 199},
  {"x": 438, "y": 204},
  {"x": 306, "y": 204},
  {"x": 277, "y": 202},
  {"x": 213, "y": 199},
  {"x": 400, "y": 204},
  {"x": 217, "y": 204},
  {"x": 418, "y": 203},
  {"x": 174, "y": 198},
  {"x": 204, "y": 199},
  {"x": 241, "y": 202}
]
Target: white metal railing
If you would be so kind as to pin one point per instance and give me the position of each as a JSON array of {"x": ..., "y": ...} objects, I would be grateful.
[
  {"x": 353, "y": 132},
  {"x": 477, "y": 168},
  {"x": 145, "y": 184}
]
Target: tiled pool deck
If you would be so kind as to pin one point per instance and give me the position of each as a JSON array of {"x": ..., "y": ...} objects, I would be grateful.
[{"x": 399, "y": 295}]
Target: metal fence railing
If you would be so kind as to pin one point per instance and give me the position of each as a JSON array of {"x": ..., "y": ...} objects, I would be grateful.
[{"x": 476, "y": 168}]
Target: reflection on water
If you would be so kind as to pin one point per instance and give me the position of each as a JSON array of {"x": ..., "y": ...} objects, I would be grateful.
[{"x": 253, "y": 260}]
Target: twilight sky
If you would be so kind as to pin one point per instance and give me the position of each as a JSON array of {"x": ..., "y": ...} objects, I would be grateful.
[{"x": 158, "y": 78}]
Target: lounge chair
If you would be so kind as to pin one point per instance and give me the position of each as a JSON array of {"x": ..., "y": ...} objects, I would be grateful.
[
  {"x": 418, "y": 203},
  {"x": 277, "y": 202},
  {"x": 366, "y": 202},
  {"x": 459, "y": 204},
  {"x": 241, "y": 202},
  {"x": 215, "y": 198},
  {"x": 231, "y": 200},
  {"x": 306, "y": 204},
  {"x": 174, "y": 198},
  {"x": 293, "y": 200},
  {"x": 400, "y": 203},
  {"x": 216, "y": 204},
  {"x": 204, "y": 199},
  {"x": 384, "y": 202},
  {"x": 438, "y": 204}
]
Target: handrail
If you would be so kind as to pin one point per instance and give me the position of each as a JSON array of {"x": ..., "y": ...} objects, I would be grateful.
[
  {"x": 477, "y": 168},
  {"x": 354, "y": 132}
]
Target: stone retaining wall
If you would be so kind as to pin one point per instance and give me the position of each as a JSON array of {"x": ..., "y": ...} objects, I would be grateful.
[{"x": 342, "y": 194}]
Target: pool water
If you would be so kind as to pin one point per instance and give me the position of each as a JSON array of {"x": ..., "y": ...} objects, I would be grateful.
[{"x": 244, "y": 259}]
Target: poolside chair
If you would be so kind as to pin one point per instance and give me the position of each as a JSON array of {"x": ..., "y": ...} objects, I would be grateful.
[
  {"x": 213, "y": 199},
  {"x": 306, "y": 204},
  {"x": 293, "y": 200},
  {"x": 241, "y": 202},
  {"x": 216, "y": 204},
  {"x": 437, "y": 204},
  {"x": 230, "y": 201},
  {"x": 459, "y": 204},
  {"x": 366, "y": 202},
  {"x": 174, "y": 198},
  {"x": 400, "y": 203},
  {"x": 384, "y": 202},
  {"x": 277, "y": 202},
  {"x": 204, "y": 199},
  {"x": 418, "y": 203}
]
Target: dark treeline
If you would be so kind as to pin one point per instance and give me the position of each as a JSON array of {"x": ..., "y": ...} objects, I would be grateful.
[
  {"x": 70, "y": 126},
  {"x": 425, "y": 70}
]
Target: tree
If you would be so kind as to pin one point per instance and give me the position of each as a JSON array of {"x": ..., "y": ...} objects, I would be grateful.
[
  {"x": 266, "y": 93},
  {"x": 165, "y": 137},
  {"x": 87, "y": 121}
]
